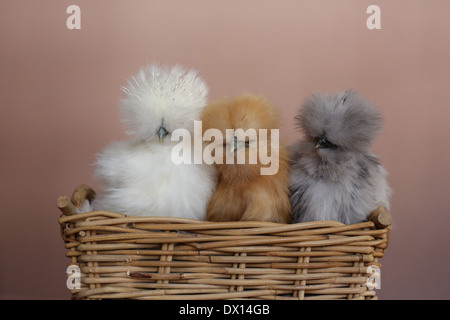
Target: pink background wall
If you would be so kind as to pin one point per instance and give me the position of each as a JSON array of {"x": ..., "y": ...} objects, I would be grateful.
[{"x": 59, "y": 92}]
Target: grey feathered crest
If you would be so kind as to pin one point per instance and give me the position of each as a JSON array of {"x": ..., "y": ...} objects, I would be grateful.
[{"x": 346, "y": 119}]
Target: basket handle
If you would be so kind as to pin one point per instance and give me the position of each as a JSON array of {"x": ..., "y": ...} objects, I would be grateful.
[
  {"x": 81, "y": 193},
  {"x": 65, "y": 206},
  {"x": 381, "y": 218}
]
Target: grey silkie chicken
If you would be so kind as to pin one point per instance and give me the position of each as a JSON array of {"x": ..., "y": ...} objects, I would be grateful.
[{"x": 334, "y": 175}]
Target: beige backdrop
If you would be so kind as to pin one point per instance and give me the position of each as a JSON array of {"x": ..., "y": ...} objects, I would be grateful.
[{"x": 59, "y": 91}]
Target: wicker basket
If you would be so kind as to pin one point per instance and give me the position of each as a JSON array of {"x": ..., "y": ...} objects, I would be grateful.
[{"x": 129, "y": 257}]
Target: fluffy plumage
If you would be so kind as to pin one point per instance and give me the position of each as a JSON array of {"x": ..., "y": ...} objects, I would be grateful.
[
  {"x": 138, "y": 174},
  {"x": 334, "y": 175},
  {"x": 242, "y": 192}
]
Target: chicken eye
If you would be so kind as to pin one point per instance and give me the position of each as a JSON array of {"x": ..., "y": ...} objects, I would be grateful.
[{"x": 247, "y": 142}]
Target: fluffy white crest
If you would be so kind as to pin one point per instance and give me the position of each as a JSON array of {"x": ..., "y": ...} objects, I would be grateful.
[{"x": 172, "y": 97}]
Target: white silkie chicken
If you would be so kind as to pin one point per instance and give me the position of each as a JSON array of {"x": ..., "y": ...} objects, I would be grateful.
[{"x": 139, "y": 176}]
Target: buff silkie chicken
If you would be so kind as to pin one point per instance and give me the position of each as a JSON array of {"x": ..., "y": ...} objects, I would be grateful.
[
  {"x": 139, "y": 175},
  {"x": 251, "y": 187},
  {"x": 334, "y": 175}
]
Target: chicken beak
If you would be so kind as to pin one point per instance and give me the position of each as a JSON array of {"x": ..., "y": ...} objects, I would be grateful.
[
  {"x": 235, "y": 144},
  {"x": 324, "y": 143},
  {"x": 162, "y": 132},
  {"x": 320, "y": 143}
]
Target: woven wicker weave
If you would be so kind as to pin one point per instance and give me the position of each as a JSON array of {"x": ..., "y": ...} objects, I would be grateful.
[{"x": 129, "y": 257}]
